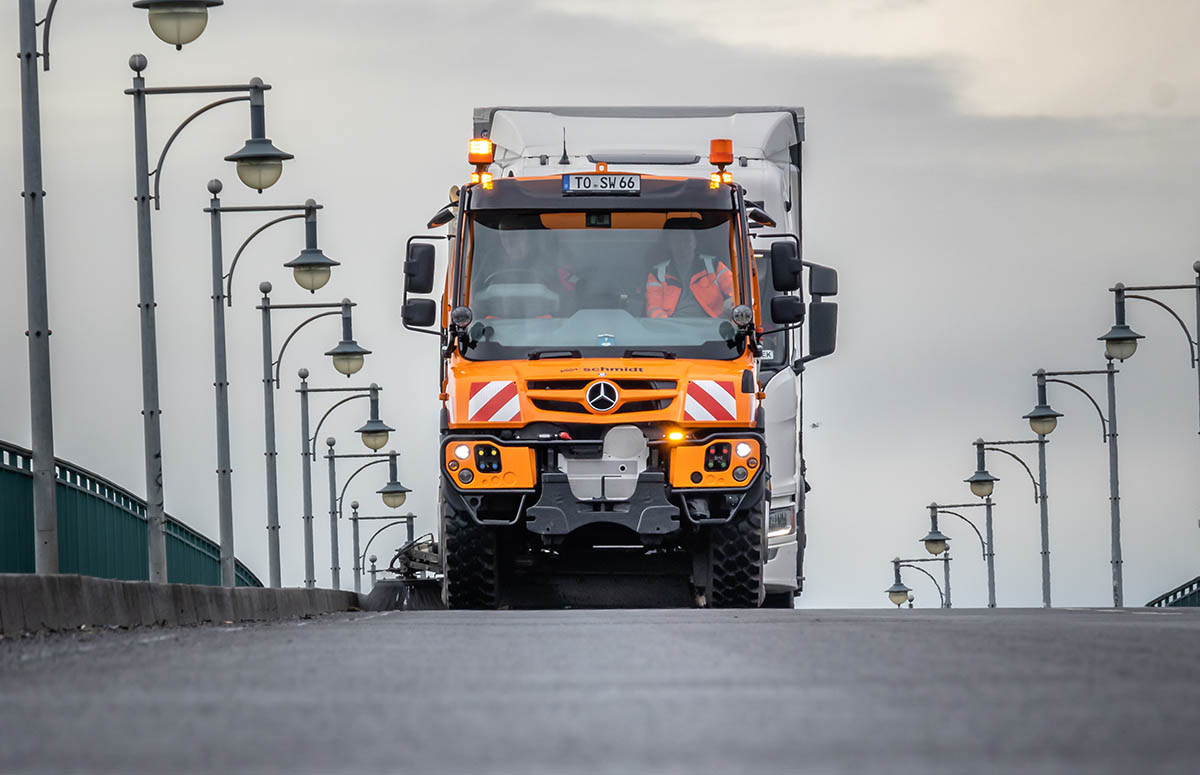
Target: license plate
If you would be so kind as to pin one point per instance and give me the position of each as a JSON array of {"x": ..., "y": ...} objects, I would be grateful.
[{"x": 601, "y": 183}]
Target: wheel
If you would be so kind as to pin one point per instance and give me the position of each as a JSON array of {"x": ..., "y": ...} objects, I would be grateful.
[
  {"x": 469, "y": 561},
  {"x": 737, "y": 551},
  {"x": 779, "y": 600}
]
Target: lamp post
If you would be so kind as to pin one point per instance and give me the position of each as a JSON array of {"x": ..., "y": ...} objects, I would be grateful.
[
  {"x": 308, "y": 453},
  {"x": 311, "y": 257},
  {"x": 1121, "y": 342},
  {"x": 373, "y": 558},
  {"x": 258, "y": 156},
  {"x": 1042, "y": 421},
  {"x": 899, "y": 594},
  {"x": 937, "y": 542},
  {"x": 393, "y": 486},
  {"x": 271, "y": 383},
  {"x": 982, "y": 485},
  {"x": 335, "y": 501},
  {"x": 1108, "y": 429},
  {"x": 45, "y": 509},
  {"x": 359, "y": 555}
]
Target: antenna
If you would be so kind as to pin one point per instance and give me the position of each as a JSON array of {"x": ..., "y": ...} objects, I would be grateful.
[{"x": 564, "y": 159}]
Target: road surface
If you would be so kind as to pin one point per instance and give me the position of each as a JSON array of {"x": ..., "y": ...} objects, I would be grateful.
[{"x": 616, "y": 691}]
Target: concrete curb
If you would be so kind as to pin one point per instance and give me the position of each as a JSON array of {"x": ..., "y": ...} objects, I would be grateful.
[{"x": 32, "y": 603}]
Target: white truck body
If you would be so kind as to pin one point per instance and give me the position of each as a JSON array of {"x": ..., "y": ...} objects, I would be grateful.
[{"x": 533, "y": 141}]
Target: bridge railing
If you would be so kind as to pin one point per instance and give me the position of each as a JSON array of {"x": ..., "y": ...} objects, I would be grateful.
[
  {"x": 1184, "y": 595},
  {"x": 101, "y": 528}
]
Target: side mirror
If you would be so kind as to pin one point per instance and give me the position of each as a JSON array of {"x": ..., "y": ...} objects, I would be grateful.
[
  {"x": 822, "y": 329},
  {"x": 418, "y": 268},
  {"x": 785, "y": 266},
  {"x": 786, "y": 310},
  {"x": 419, "y": 313},
  {"x": 822, "y": 281},
  {"x": 760, "y": 217},
  {"x": 441, "y": 218}
]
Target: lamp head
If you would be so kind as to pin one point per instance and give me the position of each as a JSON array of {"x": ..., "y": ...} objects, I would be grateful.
[
  {"x": 898, "y": 593},
  {"x": 982, "y": 483},
  {"x": 259, "y": 163},
  {"x": 936, "y": 542},
  {"x": 348, "y": 357},
  {"x": 1043, "y": 420},
  {"x": 177, "y": 22},
  {"x": 311, "y": 269},
  {"x": 1120, "y": 342}
]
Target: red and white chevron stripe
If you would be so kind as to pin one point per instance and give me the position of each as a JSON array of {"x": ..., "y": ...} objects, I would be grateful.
[
  {"x": 708, "y": 399},
  {"x": 494, "y": 401}
]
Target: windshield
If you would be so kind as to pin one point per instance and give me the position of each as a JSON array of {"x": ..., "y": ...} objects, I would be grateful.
[{"x": 585, "y": 283}]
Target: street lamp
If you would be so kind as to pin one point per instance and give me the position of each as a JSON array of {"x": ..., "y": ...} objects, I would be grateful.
[
  {"x": 1121, "y": 342},
  {"x": 394, "y": 494},
  {"x": 979, "y": 482},
  {"x": 335, "y": 499},
  {"x": 151, "y": 413},
  {"x": 937, "y": 542},
  {"x": 1042, "y": 419},
  {"x": 374, "y": 431},
  {"x": 1108, "y": 429},
  {"x": 899, "y": 594},
  {"x": 178, "y": 22},
  {"x": 222, "y": 288},
  {"x": 347, "y": 356},
  {"x": 308, "y": 453},
  {"x": 393, "y": 520}
]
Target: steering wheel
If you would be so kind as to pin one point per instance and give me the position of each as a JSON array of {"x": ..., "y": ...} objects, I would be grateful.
[{"x": 526, "y": 275}]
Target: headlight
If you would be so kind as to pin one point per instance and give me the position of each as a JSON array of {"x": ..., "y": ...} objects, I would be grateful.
[
  {"x": 743, "y": 449},
  {"x": 462, "y": 452},
  {"x": 780, "y": 522}
]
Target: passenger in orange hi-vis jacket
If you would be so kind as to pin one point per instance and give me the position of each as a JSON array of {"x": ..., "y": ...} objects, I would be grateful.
[{"x": 709, "y": 290}]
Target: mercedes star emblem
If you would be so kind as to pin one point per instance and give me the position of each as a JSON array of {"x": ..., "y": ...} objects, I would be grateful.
[{"x": 602, "y": 396}]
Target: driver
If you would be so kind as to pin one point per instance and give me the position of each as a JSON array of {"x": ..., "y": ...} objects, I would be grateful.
[{"x": 709, "y": 290}]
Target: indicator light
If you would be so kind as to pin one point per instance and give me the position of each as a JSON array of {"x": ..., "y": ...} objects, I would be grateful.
[
  {"x": 675, "y": 436},
  {"x": 482, "y": 151},
  {"x": 452, "y": 465},
  {"x": 717, "y": 178}
]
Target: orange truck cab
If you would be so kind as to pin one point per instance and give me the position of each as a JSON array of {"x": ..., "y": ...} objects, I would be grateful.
[{"x": 602, "y": 423}]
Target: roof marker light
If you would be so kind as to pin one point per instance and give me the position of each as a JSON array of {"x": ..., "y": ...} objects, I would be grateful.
[
  {"x": 481, "y": 150},
  {"x": 720, "y": 153}
]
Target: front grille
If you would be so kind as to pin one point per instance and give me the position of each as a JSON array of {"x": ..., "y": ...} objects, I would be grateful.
[
  {"x": 559, "y": 406},
  {"x": 645, "y": 406},
  {"x": 557, "y": 384},
  {"x": 647, "y": 384}
]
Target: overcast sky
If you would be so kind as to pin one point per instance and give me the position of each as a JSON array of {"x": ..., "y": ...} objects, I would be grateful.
[{"x": 980, "y": 173}]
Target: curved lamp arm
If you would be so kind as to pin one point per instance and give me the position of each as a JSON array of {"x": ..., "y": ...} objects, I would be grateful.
[
  {"x": 279, "y": 361},
  {"x": 157, "y": 172},
  {"x": 236, "y": 256},
  {"x": 45, "y": 25},
  {"x": 1191, "y": 342},
  {"x": 329, "y": 411},
  {"x": 941, "y": 597},
  {"x": 1017, "y": 458},
  {"x": 982, "y": 543},
  {"x": 377, "y": 532},
  {"x": 349, "y": 479},
  {"x": 1103, "y": 421}
]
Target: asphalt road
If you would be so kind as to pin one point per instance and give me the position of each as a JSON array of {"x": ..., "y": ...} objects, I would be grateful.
[{"x": 615, "y": 691}]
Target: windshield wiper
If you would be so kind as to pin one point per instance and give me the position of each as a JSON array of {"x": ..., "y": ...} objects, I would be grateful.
[
  {"x": 644, "y": 353},
  {"x": 535, "y": 355}
]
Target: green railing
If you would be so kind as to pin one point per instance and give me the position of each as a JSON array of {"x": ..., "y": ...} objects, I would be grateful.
[
  {"x": 101, "y": 529},
  {"x": 1183, "y": 596}
]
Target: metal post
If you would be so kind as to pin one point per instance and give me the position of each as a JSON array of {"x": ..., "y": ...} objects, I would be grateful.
[
  {"x": 411, "y": 529},
  {"x": 41, "y": 415},
  {"x": 991, "y": 556},
  {"x": 1196, "y": 361},
  {"x": 151, "y": 413},
  {"x": 1044, "y": 506},
  {"x": 357, "y": 566},
  {"x": 221, "y": 384},
  {"x": 372, "y": 558},
  {"x": 946, "y": 566},
  {"x": 269, "y": 428},
  {"x": 306, "y": 453},
  {"x": 334, "y": 568},
  {"x": 1114, "y": 488}
]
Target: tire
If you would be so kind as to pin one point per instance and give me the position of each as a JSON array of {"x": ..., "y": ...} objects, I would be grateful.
[
  {"x": 736, "y": 557},
  {"x": 469, "y": 563},
  {"x": 779, "y": 600}
]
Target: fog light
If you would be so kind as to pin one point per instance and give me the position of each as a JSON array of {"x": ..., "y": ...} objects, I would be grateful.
[
  {"x": 466, "y": 476},
  {"x": 740, "y": 474}
]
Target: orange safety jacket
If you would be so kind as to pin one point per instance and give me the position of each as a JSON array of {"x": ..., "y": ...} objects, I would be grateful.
[{"x": 711, "y": 286}]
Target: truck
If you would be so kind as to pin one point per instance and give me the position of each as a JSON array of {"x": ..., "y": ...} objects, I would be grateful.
[{"x": 621, "y": 336}]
